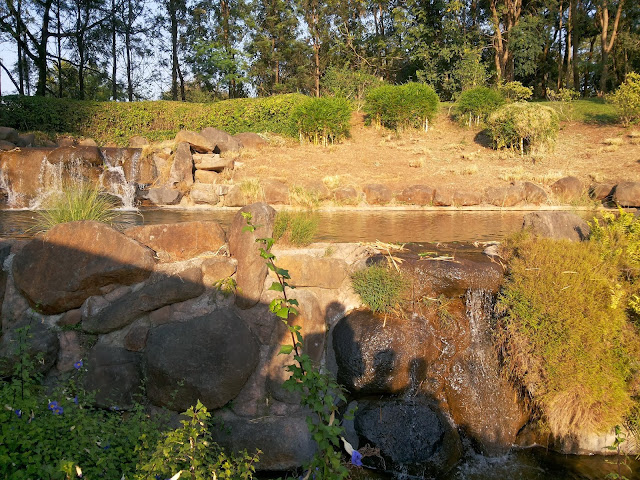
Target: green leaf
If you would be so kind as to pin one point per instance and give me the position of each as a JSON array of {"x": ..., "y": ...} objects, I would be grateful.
[
  {"x": 275, "y": 286},
  {"x": 285, "y": 349}
]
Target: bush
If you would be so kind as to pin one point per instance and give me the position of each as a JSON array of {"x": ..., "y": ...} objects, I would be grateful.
[
  {"x": 627, "y": 99},
  {"x": 156, "y": 120},
  {"x": 295, "y": 228},
  {"x": 349, "y": 84},
  {"x": 380, "y": 288},
  {"x": 526, "y": 126},
  {"x": 322, "y": 120},
  {"x": 398, "y": 107},
  {"x": 515, "y": 91},
  {"x": 476, "y": 104},
  {"x": 564, "y": 336}
]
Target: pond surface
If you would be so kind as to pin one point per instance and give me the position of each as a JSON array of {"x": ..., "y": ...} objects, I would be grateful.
[{"x": 338, "y": 226}]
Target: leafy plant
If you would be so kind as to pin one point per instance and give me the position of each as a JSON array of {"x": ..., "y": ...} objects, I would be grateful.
[
  {"x": 627, "y": 99},
  {"x": 515, "y": 91},
  {"x": 347, "y": 83},
  {"x": 380, "y": 288},
  {"x": 322, "y": 120},
  {"x": 295, "y": 228},
  {"x": 398, "y": 107},
  {"x": 525, "y": 126},
  {"x": 476, "y": 104}
]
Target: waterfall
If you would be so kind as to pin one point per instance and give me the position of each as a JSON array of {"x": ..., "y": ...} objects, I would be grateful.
[
  {"x": 114, "y": 178},
  {"x": 14, "y": 199}
]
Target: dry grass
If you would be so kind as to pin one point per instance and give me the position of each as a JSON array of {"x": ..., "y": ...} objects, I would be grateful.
[
  {"x": 301, "y": 197},
  {"x": 417, "y": 162},
  {"x": 332, "y": 181},
  {"x": 615, "y": 141},
  {"x": 251, "y": 189},
  {"x": 465, "y": 169},
  {"x": 520, "y": 174}
]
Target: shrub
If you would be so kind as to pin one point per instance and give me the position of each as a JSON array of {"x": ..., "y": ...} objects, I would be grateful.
[
  {"x": 322, "y": 120},
  {"x": 346, "y": 83},
  {"x": 515, "y": 91},
  {"x": 564, "y": 336},
  {"x": 398, "y": 107},
  {"x": 295, "y": 228},
  {"x": 627, "y": 99},
  {"x": 476, "y": 104},
  {"x": 563, "y": 95},
  {"x": 380, "y": 288},
  {"x": 526, "y": 126}
]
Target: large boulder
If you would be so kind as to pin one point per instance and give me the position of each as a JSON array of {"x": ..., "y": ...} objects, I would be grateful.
[
  {"x": 346, "y": 195},
  {"x": 627, "y": 194},
  {"x": 73, "y": 261},
  {"x": 160, "y": 290},
  {"x": 557, "y": 225},
  {"x": 203, "y": 194},
  {"x": 222, "y": 141},
  {"x": 211, "y": 162},
  {"x": 568, "y": 189},
  {"x": 252, "y": 269},
  {"x": 417, "y": 195},
  {"x": 508, "y": 196},
  {"x": 164, "y": 196},
  {"x": 9, "y": 134},
  {"x": 534, "y": 194},
  {"x": 309, "y": 271},
  {"x": 198, "y": 142},
  {"x": 37, "y": 339},
  {"x": 466, "y": 198},
  {"x": 21, "y": 169},
  {"x": 179, "y": 241},
  {"x": 207, "y": 358},
  {"x": 250, "y": 140},
  {"x": 127, "y": 159},
  {"x": 377, "y": 194},
  {"x": 88, "y": 155},
  {"x": 182, "y": 167},
  {"x": 275, "y": 192}
]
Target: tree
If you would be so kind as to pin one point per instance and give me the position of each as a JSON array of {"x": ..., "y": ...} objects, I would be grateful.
[
  {"x": 505, "y": 16},
  {"x": 608, "y": 34}
]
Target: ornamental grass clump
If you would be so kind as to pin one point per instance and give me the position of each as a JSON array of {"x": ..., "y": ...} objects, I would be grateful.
[
  {"x": 295, "y": 228},
  {"x": 382, "y": 289},
  {"x": 323, "y": 120},
  {"x": 399, "y": 107},
  {"x": 524, "y": 126},
  {"x": 476, "y": 104}
]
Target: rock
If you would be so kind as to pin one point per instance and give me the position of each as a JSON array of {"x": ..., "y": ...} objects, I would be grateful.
[
  {"x": 275, "y": 192},
  {"x": 594, "y": 444},
  {"x": 179, "y": 241},
  {"x": 198, "y": 142},
  {"x": 136, "y": 338},
  {"x": 319, "y": 190},
  {"x": 26, "y": 140},
  {"x": 222, "y": 141},
  {"x": 164, "y": 196},
  {"x": 534, "y": 194},
  {"x": 212, "y": 162},
  {"x": 115, "y": 375},
  {"x": 39, "y": 341},
  {"x": 284, "y": 441},
  {"x": 235, "y": 197},
  {"x": 568, "y": 189},
  {"x": 147, "y": 171},
  {"x": 182, "y": 167},
  {"x": 87, "y": 155},
  {"x": 21, "y": 170},
  {"x": 252, "y": 269},
  {"x": 217, "y": 268},
  {"x": 138, "y": 141},
  {"x": 70, "y": 350},
  {"x": 443, "y": 197},
  {"x": 602, "y": 191},
  {"x": 378, "y": 356},
  {"x": 309, "y": 271},
  {"x": 208, "y": 358},
  {"x": 4, "y": 145},
  {"x": 558, "y": 225},
  {"x": 464, "y": 198},
  {"x": 87, "y": 142},
  {"x": 508, "y": 196},
  {"x": 377, "y": 194},
  {"x": 9, "y": 134},
  {"x": 161, "y": 289},
  {"x": 417, "y": 195},
  {"x": 70, "y": 318},
  {"x": 408, "y": 433},
  {"x": 627, "y": 194},
  {"x": 206, "y": 177},
  {"x": 250, "y": 140},
  {"x": 203, "y": 194},
  {"x": 5, "y": 251},
  {"x": 73, "y": 261},
  {"x": 347, "y": 195},
  {"x": 65, "y": 141}
]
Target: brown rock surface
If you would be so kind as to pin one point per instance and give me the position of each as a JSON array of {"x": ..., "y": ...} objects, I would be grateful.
[
  {"x": 310, "y": 271},
  {"x": 417, "y": 195},
  {"x": 377, "y": 194},
  {"x": 627, "y": 194},
  {"x": 198, "y": 142},
  {"x": 275, "y": 192},
  {"x": 250, "y": 140},
  {"x": 222, "y": 141},
  {"x": 558, "y": 225},
  {"x": 568, "y": 189},
  {"x": 182, "y": 167},
  {"x": 22, "y": 170}
]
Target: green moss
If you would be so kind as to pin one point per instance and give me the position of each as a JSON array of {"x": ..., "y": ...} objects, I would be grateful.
[{"x": 381, "y": 289}]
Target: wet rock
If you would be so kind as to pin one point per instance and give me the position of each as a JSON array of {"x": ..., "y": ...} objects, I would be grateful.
[
  {"x": 558, "y": 225},
  {"x": 508, "y": 196},
  {"x": 208, "y": 358},
  {"x": 417, "y": 195},
  {"x": 147, "y": 171},
  {"x": 222, "y": 141},
  {"x": 114, "y": 375},
  {"x": 534, "y": 194},
  {"x": 383, "y": 355},
  {"x": 197, "y": 141},
  {"x": 602, "y": 191},
  {"x": 275, "y": 192},
  {"x": 568, "y": 189},
  {"x": 21, "y": 169},
  {"x": 627, "y": 194},
  {"x": 346, "y": 195},
  {"x": 84, "y": 154},
  {"x": 408, "y": 433},
  {"x": 73, "y": 261},
  {"x": 203, "y": 194},
  {"x": 463, "y": 198},
  {"x": 39, "y": 340},
  {"x": 310, "y": 271},
  {"x": 252, "y": 269},
  {"x": 182, "y": 167},
  {"x": 161, "y": 289},
  {"x": 164, "y": 196},
  {"x": 250, "y": 140},
  {"x": 377, "y": 194}
]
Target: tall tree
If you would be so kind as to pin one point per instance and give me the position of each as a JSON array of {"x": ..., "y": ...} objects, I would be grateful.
[
  {"x": 505, "y": 16},
  {"x": 608, "y": 34}
]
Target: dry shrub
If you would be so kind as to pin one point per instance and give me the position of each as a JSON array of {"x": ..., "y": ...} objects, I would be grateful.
[{"x": 252, "y": 190}]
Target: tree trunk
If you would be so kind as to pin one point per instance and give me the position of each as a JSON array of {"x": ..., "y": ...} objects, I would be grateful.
[
  {"x": 174, "y": 50},
  {"x": 59, "y": 44},
  {"x": 560, "y": 60},
  {"x": 20, "y": 56},
  {"x": 41, "y": 62},
  {"x": 575, "y": 34},
  {"x": 606, "y": 41},
  {"x": 114, "y": 86}
]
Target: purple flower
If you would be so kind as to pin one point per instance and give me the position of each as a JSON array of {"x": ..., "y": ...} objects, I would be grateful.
[
  {"x": 78, "y": 364},
  {"x": 75, "y": 399},
  {"x": 56, "y": 408},
  {"x": 18, "y": 412},
  {"x": 356, "y": 458}
]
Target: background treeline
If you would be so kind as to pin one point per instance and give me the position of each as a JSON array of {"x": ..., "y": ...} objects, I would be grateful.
[{"x": 207, "y": 50}]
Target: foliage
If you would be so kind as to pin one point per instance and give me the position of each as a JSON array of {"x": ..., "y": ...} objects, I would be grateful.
[
  {"x": 563, "y": 95},
  {"x": 318, "y": 390},
  {"x": 412, "y": 105},
  {"x": 564, "y": 334},
  {"x": 190, "y": 449},
  {"x": 526, "y": 126},
  {"x": 295, "y": 228},
  {"x": 515, "y": 91},
  {"x": 158, "y": 120},
  {"x": 75, "y": 202},
  {"x": 627, "y": 99},
  {"x": 322, "y": 120},
  {"x": 619, "y": 239},
  {"x": 476, "y": 104},
  {"x": 380, "y": 288},
  {"x": 350, "y": 84}
]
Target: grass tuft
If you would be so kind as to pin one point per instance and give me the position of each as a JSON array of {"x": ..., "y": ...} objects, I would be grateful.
[
  {"x": 382, "y": 289},
  {"x": 295, "y": 228}
]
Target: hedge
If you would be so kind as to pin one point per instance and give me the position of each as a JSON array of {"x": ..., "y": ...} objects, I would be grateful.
[
  {"x": 156, "y": 120},
  {"x": 323, "y": 120},
  {"x": 476, "y": 104},
  {"x": 412, "y": 105}
]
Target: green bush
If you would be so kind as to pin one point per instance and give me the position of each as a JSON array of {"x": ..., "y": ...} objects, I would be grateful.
[
  {"x": 398, "y": 107},
  {"x": 322, "y": 120},
  {"x": 565, "y": 336},
  {"x": 346, "y": 83},
  {"x": 627, "y": 99},
  {"x": 381, "y": 289},
  {"x": 156, "y": 120},
  {"x": 295, "y": 228},
  {"x": 476, "y": 104},
  {"x": 515, "y": 91},
  {"x": 525, "y": 126}
]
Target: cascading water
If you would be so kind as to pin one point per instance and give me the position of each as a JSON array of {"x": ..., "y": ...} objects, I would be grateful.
[
  {"x": 114, "y": 178},
  {"x": 13, "y": 198}
]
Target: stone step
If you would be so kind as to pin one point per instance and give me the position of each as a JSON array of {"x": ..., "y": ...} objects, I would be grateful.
[{"x": 211, "y": 162}]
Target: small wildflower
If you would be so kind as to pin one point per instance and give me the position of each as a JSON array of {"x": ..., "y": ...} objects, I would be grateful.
[
  {"x": 18, "y": 412},
  {"x": 56, "y": 408},
  {"x": 356, "y": 458},
  {"x": 78, "y": 471},
  {"x": 78, "y": 364},
  {"x": 75, "y": 399}
]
